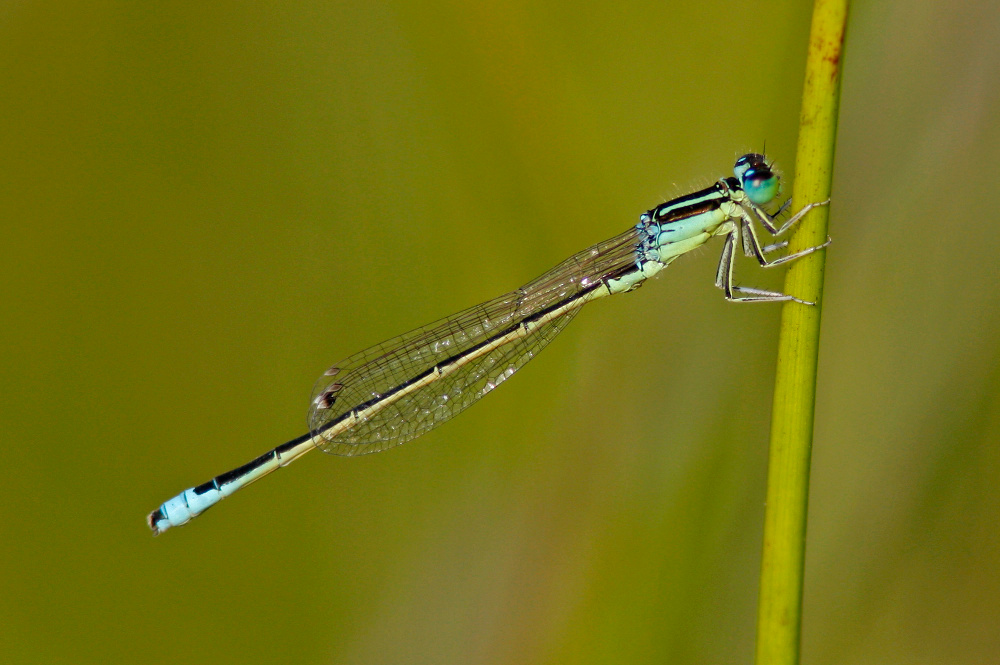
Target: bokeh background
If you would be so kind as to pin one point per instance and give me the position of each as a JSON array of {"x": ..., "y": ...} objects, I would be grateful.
[{"x": 204, "y": 205}]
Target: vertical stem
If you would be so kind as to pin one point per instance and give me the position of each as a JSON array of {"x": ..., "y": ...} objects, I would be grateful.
[{"x": 780, "y": 606}]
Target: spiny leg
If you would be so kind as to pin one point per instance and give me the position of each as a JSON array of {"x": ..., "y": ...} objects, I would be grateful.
[
  {"x": 751, "y": 243},
  {"x": 800, "y": 214},
  {"x": 750, "y": 238},
  {"x": 768, "y": 220},
  {"x": 724, "y": 274},
  {"x": 783, "y": 208}
]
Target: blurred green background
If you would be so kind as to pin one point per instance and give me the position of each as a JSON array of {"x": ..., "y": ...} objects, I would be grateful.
[{"x": 203, "y": 207}]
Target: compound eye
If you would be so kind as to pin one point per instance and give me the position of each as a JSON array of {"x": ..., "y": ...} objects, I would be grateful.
[{"x": 760, "y": 186}]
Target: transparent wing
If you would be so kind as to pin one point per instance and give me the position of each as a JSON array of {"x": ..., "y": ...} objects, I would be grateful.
[
  {"x": 362, "y": 382},
  {"x": 410, "y": 417}
]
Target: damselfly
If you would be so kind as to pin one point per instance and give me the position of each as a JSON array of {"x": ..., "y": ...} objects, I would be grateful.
[{"x": 399, "y": 389}]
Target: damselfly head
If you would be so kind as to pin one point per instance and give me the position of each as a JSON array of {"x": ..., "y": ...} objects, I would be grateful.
[{"x": 760, "y": 183}]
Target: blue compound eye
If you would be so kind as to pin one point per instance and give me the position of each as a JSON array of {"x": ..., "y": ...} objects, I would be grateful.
[
  {"x": 758, "y": 180},
  {"x": 760, "y": 188}
]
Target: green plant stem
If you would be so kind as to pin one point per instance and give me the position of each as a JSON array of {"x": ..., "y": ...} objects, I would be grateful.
[{"x": 779, "y": 615}]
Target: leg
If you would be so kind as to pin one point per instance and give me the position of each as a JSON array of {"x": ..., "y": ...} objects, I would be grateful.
[
  {"x": 750, "y": 239},
  {"x": 768, "y": 220},
  {"x": 724, "y": 275}
]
